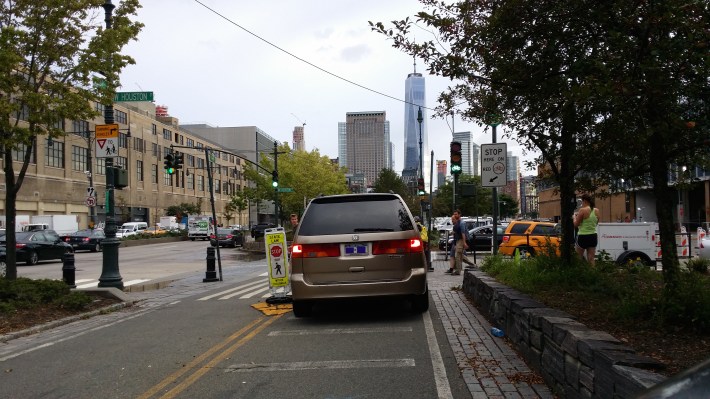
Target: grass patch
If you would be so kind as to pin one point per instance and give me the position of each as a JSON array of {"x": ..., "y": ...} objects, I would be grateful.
[{"x": 632, "y": 294}]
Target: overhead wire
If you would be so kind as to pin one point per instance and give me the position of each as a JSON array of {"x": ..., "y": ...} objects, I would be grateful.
[{"x": 304, "y": 60}]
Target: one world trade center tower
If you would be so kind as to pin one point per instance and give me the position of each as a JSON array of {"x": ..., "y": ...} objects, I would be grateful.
[{"x": 414, "y": 97}]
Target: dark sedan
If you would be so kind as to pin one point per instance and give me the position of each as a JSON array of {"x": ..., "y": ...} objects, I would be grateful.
[
  {"x": 227, "y": 238},
  {"x": 86, "y": 239},
  {"x": 479, "y": 238},
  {"x": 34, "y": 246}
]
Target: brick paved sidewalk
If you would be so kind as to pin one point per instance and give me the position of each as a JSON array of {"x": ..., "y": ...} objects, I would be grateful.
[{"x": 490, "y": 367}]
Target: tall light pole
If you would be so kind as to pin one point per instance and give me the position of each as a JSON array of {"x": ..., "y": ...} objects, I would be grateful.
[
  {"x": 420, "y": 119},
  {"x": 110, "y": 276}
]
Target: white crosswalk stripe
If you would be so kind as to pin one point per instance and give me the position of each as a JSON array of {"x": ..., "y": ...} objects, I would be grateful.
[{"x": 84, "y": 283}]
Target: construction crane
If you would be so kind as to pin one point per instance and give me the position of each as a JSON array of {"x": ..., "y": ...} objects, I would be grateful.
[{"x": 299, "y": 119}]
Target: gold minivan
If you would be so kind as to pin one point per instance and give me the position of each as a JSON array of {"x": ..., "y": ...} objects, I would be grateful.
[{"x": 357, "y": 246}]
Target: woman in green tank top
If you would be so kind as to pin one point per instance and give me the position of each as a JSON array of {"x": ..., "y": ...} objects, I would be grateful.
[{"x": 586, "y": 222}]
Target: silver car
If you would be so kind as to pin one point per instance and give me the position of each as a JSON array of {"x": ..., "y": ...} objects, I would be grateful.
[{"x": 357, "y": 246}]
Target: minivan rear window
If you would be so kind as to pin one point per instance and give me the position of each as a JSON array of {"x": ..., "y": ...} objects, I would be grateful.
[{"x": 355, "y": 214}]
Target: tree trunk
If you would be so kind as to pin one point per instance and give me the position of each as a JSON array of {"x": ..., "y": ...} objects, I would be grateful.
[
  {"x": 567, "y": 182},
  {"x": 10, "y": 216}
]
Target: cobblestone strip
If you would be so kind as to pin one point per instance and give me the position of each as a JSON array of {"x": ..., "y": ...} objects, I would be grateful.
[{"x": 489, "y": 366}]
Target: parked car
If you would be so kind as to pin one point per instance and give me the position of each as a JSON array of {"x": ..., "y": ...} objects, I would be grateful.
[
  {"x": 227, "y": 238},
  {"x": 3, "y": 264},
  {"x": 34, "y": 246},
  {"x": 479, "y": 238},
  {"x": 86, "y": 239},
  {"x": 357, "y": 246},
  {"x": 155, "y": 230},
  {"x": 258, "y": 229},
  {"x": 530, "y": 237}
]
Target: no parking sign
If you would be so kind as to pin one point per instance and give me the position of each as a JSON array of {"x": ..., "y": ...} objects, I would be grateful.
[{"x": 277, "y": 260}]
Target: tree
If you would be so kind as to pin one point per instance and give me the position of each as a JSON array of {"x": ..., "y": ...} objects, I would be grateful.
[
  {"x": 184, "y": 209},
  {"x": 620, "y": 92},
  {"x": 237, "y": 202},
  {"x": 309, "y": 174},
  {"x": 389, "y": 180},
  {"x": 49, "y": 53},
  {"x": 478, "y": 205}
]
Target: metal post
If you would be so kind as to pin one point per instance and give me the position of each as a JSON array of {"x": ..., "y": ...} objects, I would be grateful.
[
  {"x": 495, "y": 206},
  {"x": 276, "y": 189},
  {"x": 213, "y": 224},
  {"x": 110, "y": 276},
  {"x": 211, "y": 273},
  {"x": 420, "y": 119},
  {"x": 68, "y": 269},
  {"x": 431, "y": 199}
]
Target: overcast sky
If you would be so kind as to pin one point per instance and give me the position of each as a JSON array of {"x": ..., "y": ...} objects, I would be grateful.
[{"x": 206, "y": 69}]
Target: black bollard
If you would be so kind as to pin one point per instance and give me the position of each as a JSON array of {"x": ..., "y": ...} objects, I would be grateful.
[
  {"x": 68, "y": 269},
  {"x": 211, "y": 274}
]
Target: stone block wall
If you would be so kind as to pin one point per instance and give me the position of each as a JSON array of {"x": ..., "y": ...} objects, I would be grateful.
[{"x": 575, "y": 361}]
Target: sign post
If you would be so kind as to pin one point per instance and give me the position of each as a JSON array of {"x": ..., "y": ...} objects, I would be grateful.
[{"x": 277, "y": 260}]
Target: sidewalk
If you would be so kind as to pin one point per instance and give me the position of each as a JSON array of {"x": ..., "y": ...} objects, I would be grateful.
[{"x": 490, "y": 367}]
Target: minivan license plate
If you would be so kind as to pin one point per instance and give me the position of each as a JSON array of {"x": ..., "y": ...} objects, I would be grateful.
[{"x": 355, "y": 249}]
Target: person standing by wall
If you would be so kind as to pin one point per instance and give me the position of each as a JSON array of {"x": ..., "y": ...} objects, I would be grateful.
[
  {"x": 586, "y": 222},
  {"x": 424, "y": 234}
]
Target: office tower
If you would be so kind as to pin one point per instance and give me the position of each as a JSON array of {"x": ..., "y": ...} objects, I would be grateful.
[
  {"x": 415, "y": 99},
  {"x": 342, "y": 145},
  {"x": 366, "y": 143},
  {"x": 441, "y": 171},
  {"x": 299, "y": 143},
  {"x": 476, "y": 158},
  {"x": 466, "y": 152}
]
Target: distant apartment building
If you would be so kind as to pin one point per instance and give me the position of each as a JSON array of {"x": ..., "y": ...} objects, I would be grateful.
[
  {"x": 466, "y": 151},
  {"x": 441, "y": 171},
  {"x": 364, "y": 142},
  {"x": 299, "y": 143},
  {"x": 476, "y": 158}
]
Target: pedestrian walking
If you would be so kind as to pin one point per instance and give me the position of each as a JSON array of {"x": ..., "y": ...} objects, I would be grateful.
[
  {"x": 459, "y": 245},
  {"x": 586, "y": 222}
]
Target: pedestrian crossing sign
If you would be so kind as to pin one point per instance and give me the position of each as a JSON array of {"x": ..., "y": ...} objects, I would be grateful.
[{"x": 276, "y": 257}]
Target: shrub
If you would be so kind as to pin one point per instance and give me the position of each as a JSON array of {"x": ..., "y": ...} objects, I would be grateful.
[
  {"x": 700, "y": 265},
  {"x": 75, "y": 300},
  {"x": 27, "y": 293}
]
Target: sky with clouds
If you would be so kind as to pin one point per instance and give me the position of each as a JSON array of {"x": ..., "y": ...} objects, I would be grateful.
[{"x": 276, "y": 64}]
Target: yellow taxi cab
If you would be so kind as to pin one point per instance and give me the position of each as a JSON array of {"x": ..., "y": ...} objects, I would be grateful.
[{"x": 530, "y": 237}]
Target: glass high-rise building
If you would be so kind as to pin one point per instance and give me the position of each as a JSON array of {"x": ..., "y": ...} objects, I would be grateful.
[
  {"x": 467, "y": 152},
  {"x": 415, "y": 99}
]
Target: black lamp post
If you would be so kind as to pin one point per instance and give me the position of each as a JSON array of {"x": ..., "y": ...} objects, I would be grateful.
[
  {"x": 110, "y": 276},
  {"x": 420, "y": 119}
]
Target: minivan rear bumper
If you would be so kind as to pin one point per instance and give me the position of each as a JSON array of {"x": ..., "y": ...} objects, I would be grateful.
[{"x": 415, "y": 284}]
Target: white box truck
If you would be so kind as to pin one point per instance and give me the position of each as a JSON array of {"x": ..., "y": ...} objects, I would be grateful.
[
  {"x": 168, "y": 222},
  {"x": 62, "y": 224},
  {"x": 199, "y": 226},
  {"x": 625, "y": 242}
]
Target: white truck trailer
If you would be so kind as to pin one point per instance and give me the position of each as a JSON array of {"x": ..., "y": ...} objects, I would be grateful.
[
  {"x": 625, "y": 242},
  {"x": 62, "y": 224},
  {"x": 168, "y": 222},
  {"x": 199, "y": 226}
]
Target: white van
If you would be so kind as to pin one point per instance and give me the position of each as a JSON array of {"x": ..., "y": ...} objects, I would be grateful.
[{"x": 130, "y": 229}]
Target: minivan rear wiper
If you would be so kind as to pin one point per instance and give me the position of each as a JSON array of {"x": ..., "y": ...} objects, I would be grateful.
[{"x": 359, "y": 230}]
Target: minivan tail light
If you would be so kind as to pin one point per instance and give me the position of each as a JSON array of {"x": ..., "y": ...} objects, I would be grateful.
[
  {"x": 506, "y": 238},
  {"x": 315, "y": 250},
  {"x": 397, "y": 246}
]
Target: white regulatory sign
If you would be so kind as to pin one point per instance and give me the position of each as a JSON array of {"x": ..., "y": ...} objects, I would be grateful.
[
  {"x": 494, "y": 161},
  {"x": 90, "y": 201}
]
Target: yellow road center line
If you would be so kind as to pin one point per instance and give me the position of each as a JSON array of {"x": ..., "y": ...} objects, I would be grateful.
[
  {"x": 177, "y": 374},
  {"x": 216, "y": 360}
]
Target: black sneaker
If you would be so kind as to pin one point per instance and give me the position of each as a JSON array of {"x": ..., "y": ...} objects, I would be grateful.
[{"x": 449, "y": 271}]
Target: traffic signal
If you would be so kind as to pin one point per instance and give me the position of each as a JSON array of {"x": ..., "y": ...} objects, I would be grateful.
[
  {"x": 455, "y": 158},
  {"x": 179, "y": 158},
  {"x": 420, "y": 186},
  {"x": 275, "y": 179},
  {"x": 169, "y": 162}
]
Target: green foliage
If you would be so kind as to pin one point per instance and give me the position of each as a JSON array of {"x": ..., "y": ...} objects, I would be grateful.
[
  {"x": 699, "y": 265},
  {"x": 631, "y": 293},
  {"x": 184, "y": 209},
  {"x": 26, "y": 293},
  {"x": 309, "y": 174},
  {"x": 75, "y": 300}
]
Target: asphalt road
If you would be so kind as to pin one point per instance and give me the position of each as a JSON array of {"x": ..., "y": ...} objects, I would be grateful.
[{"x": 206, "y": 340}]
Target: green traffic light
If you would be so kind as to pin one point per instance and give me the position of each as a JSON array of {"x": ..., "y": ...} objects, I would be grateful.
[
  {"x": 171, "y": 171},
  {"x": 275, "y": 183}
]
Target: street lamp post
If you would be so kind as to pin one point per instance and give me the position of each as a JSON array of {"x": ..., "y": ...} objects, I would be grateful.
[
  {"x": 420, "y": 119},
  {"x": 110, "y": 276}
]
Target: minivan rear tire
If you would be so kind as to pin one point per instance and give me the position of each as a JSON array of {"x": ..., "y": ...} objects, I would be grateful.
[
  {"x": 420, "y": 303},
  {"x": 302, "y": 308}
]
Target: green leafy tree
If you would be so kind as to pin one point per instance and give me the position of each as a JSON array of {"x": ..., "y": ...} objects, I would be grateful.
[
  {"x": 238, "y": 202},
  {"x": 389, "y": 180},
  {"x": 49, "y": 53},
  {"x": 184, "y": 209},
  {"x": 480, "y": 204},
  {"x": 620, "y": 92},
  {"x": 309, "y": 174}
]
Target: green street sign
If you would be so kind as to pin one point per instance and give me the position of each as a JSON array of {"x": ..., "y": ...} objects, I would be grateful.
[
  {"x": 285, "y": 190},
  {"x": 133, "y": 96}
]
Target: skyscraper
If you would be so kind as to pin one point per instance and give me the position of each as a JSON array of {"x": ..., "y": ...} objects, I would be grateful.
[
  {"x": 365, "y": 137},
  {"x": 299, "y": 143},
  {"x": 466, "y": 151},
  {"x": 415, "y": 99}
]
